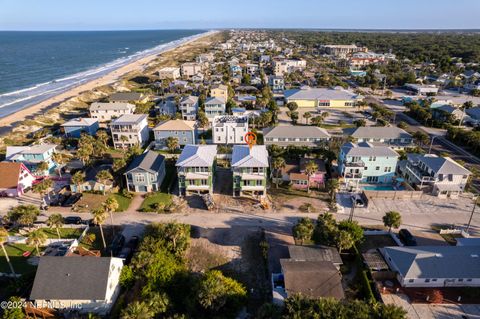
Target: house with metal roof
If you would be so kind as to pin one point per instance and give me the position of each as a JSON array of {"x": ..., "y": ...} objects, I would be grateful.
[
  {"x": 365, "y": 163},
  {"x": 189, "y": 107},
  {"x": 129, "y": 130},
  {"x": 128, "y": 97},
  {"x": 105, "y": 112},
  {"x": 440, "y": 176},
  {"x": 184, "y": 131},
  {"x": 31, "y": 156},
  {"x": 215, "y": 106},
  {"x": 87, "y": 284},
  {"x": 196, "y": 168},
  {"x": 286, "y": 135},
  {"x": 229, "y": 129},
  {"x": 146, "y": 173},
  {"x": 249, "y": 168},
  {"x": 75, "y": 127},
  {"x": 392, "y": 136},
  {"x": 322, "y": 97},
  {"x": 435, "y": 266}
]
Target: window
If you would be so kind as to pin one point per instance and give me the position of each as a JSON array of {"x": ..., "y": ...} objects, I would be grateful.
[
  {"x": 139, "y": 178},
  {"x": 427, "y": 280},
  {"x": 469, "y": 279},
  {"x": 460, "y": 280},
  {"x": 411, "y": 280},
  {"x": 434, "y": 279},
  {"x": 377, "y": 168}
]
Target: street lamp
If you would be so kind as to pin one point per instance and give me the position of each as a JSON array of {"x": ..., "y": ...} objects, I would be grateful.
[
  {"x": 431, "y": 144},
  {"x": 471, "y": 215}
]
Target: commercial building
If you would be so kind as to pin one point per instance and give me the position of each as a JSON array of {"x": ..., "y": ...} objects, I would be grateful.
[{"x": 322, "y": 97}]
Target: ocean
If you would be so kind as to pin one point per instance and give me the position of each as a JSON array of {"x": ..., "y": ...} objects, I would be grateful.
[{"x": 35, "y": 66}]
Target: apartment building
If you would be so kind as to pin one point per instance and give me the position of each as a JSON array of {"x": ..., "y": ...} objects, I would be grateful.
[
  {"x": 322, "y": 97},
  {"x": 342, "y": 50},
  {"x": 282, "y": 67},
  {"x": 105, "y": 112},
  {"x": 249, "y": 168},
  {"x": 220, "y": 91},
  {"x": 129, "y": 130},
  {"x": 286, "y": 135}
]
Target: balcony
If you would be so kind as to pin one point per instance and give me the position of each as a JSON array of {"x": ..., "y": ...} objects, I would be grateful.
[
  {"x": 420, "y": 175},
  {"x": 353, "y": 175},
  {"x": 355, "y": 164},
  {"x": 124, "y": 130}
]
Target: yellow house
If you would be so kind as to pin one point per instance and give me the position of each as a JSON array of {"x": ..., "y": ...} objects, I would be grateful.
[
  {"x": 308, "y": 97},
  {"x": 220, "y": 91}
]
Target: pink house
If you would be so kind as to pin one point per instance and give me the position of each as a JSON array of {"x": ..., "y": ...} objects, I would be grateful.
[
  {"x": 15, "y": 179},
  {"x": 294, "y": 173}
]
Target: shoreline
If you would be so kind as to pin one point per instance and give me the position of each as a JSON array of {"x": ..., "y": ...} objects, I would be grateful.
[{"x": 8, "y": 122}]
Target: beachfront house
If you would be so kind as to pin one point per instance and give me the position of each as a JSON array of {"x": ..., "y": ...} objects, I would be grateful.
[
  {"x": 435, "y": 266},
  {"x": 189, "y": 107},
  {"x": 249, "y": 168},
  {"x": 229, "y": 129},
  {"x": 288, "y": 135},
  {"x": 189, "y": 69},
  {"x": 32, "y": 156},
  {"x": 105, "y": 112},
  {"x": 128, "y": 97},
  {"x": 15, "y": 179},
  {"x": 391, "y": 136},
  {"x": 308, "y": 97},
  {"x": 184, "y": 131},
  {"x": 169, "y": 73},
  {"x": 87, "y": 284},
  {"x": 366, "y": 163},
  {"x": 75, "y": 128},
  {"x": 214, "y": 106},
  {"x": 129, "y": 130},
  {"x": 441, "y": 176},
  {"x": 146, "y": 173},
  {"x": 196, "y": 169},
  {"x": 220, "y": 91}
]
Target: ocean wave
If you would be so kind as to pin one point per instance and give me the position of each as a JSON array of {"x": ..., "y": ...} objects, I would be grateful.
[{"x": 42, "y": 91}]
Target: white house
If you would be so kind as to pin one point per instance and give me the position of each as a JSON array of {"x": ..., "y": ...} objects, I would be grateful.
[
  {"x": 15, "y": 179},
  {"x": 89, "y": 284},
  {"x": 129, "y": 130},
  {"x": 189, "y": 107},
  {"x": 105, "y": 112},
  {"x": 169, "y": 72},
  {"x": 229, "y": 130},
  {"x": 190, "y": 69}
]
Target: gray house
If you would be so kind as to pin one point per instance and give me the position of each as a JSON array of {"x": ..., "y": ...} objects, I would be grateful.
[
  {"x": 287, "y": 135},
  {"x": 184, "y": 131},
  {"x": 146, "y": 173}
]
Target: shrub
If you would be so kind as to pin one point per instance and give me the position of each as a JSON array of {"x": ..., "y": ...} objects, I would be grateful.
[{"x": 307, "y": 208}]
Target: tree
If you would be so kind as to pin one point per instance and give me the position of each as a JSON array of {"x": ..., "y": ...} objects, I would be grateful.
[
  {"x": 37, "y": 238},
  {"x": 172, "y": 143},
  {"x": 343, "y": 240},
  {"x": 41, "y": 168},
  {"x": 61, "y": 159},
  {"x": 43, "y": 188},
  {"x": 85, "y": 151},
  {"x": 360, "y": 122},
  {"x": 216, "y": 291},
  {"x": 3, "y": 240},
  {"x": 103, "y": 137},
  {"x": 23, "y": 214},
  {"x": 202, "y": 119},
  {"x": 102, "y": 177},
  {"x": 137, "y": 310},
  {"x": 306, "y": 116},
  {"x": 310, "y": 168},
  {"x": 292, "y": 106},
  {"x": 77, "y": 179},
  {"x": 55, "y": 221},
  {"x": 421, "y": 138},
  {"x": 110, "y": 205},
  {"x": 303, "y": 230},
  {"x": 277, "y": 164},
  {"x": 119, "y": 164},
  {"x": 15, "y": 311},
  {"x": 317, "y": 120},
  {"x": 99, "y": 216},
  {"x": 332, "y": 186},
  {"x": 353, "y": 228},
  {"x": 403, "y": 125},
  {"x": 392, "y": 219},
  {"x": 293, "y": 116},
  {"x": 325, "y": 230}
]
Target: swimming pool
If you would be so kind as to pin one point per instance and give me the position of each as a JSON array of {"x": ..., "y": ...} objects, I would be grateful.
[{"x": 381, "y": 188}]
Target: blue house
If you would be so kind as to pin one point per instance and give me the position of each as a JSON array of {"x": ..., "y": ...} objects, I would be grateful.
[
  {"x": 32, "y": 156},
  {"x": 365, "y": 163},
  {"x": 75, "y": 127}
]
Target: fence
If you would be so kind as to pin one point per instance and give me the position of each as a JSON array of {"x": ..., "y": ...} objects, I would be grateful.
[{"x": 393, "y": 195}]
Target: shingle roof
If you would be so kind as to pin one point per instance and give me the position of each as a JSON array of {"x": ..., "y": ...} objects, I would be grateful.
[
  {"x": 245, "y": 156},
  {"x": 80, "y": 121},
  {"x": 314, "y": 253},
  {"x": 320, "y": 94},
  {"x": 380, "y": 132},
  {"x": 71, "y": 278},
  {"x": 436, "y": 261},
  {"x": 175, "y": 125},
  {"x": 150, "y": 161},
  {"x": 189, "y": 99},
  {"x": 9, "y": 173},
  {"x": 367, "y": 149},
  {"x": 125, "y": 96},
  {"x": 197, "y": 155},
  {"x": 443, "y": 165},
  {"x": 312, "y": 278},
  {"x": 129, "y": 119},
  {"x": 295, "y": 132},
  {"x": 39, "y": 148},
  {"x": 111, "y": 106}
]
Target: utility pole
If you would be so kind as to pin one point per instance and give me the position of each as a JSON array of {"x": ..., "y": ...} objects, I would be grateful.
[
  {"x": 350, "y": 218},
  {"x": 431, "y": 144},
  {"x": 471, "y": 215}
]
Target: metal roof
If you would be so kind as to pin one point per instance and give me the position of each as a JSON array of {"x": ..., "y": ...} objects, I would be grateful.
[
  {"x": 367, "y": 149},
  {"x": 308, "y": 93},
  {"x": 149, "y": 161},
  {"x": 197, "y": 156},
  {"x": 380, "y": 132},
  {"x": 81, "y": 121},
  {"x": 129, "y": 119},
  {"x": 246, "y": 156},
  {"x": 296, "y": 131}
]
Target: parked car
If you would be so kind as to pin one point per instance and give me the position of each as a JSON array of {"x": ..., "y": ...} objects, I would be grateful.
[
  {"x": 133, "y": 242},
  {"x": 59, "y": 199},
  {"x": 72, "y": 200},
  {"x": 126, "y": 253},
  {"x": 357, "y": 200},
  {"x": 73, "y": 220},
  {"x": 407, "y": 238},
  {"x": 117, "y": 244}
]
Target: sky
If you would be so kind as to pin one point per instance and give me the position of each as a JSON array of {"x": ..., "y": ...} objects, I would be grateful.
[{"x": 211, "y": 14}]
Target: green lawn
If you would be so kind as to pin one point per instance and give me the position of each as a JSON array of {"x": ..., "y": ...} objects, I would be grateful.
[
  {"x": 20, "y": 264},
  {"x": 98, "y": 244},
  {"x": 149, "y": 203},
  {"x": 123, "y": 202},
  {"x": 65, "y": 233}
]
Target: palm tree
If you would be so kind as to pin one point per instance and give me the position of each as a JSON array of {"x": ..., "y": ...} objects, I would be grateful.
[
  {"x": 37, "y": 238},
  {"x": 332, "y": 186},
  {"x": 61, "y": 159},
  {"x": 310, "y": 168},
  {"x": 111, "y": 205},
  {"x": 172, "y": 143},
  {"x": 103, "y": 137},
  {"x": 77, "y": 179},
  {"x": 84, "y": 152},
  {"x": 137, "y": 310},
  {"x": 99, "y": 216},
  {"x": 103, "y": 177},
  {"x": 277, "y": 164},
  {"x": 56, "y": 221},
  {"x": 41, "y": 168},
  {"x": 3, "y": 240},
  {"x": 306, "y": 116}
]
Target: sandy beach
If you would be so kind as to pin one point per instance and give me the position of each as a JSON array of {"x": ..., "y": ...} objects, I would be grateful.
[{"x": 9, "y": 122}]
